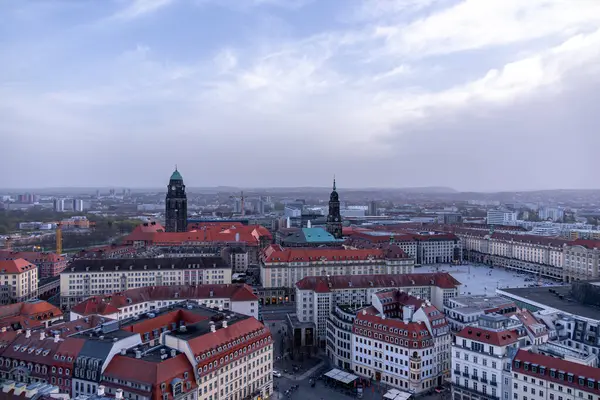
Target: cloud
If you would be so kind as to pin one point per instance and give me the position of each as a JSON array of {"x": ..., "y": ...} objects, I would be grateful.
[
  {"x": 139, "y": 8},
  {"x": 435, "y": 92}
]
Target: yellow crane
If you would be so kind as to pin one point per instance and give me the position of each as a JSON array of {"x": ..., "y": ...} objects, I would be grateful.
[{"x": 58, "y": 239}]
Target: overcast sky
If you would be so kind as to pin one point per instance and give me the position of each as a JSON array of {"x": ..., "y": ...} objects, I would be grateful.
[{"x": 474, "y": 94}]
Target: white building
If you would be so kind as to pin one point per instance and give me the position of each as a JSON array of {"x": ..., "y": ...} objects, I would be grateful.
[
  {"x": 238, "y": 298},
  {"x": 398, "y": 352},
  {"x": 481, "y": 360},
  {"x": 501, "y": 217},
  {"x": 537, "y": 376},
  {"x": 551, "y": 213},
  {"x": 317, "y": 297},
  {"x": 18, "y": 281},
  {"x": 283, "y": 267},
  {"x": 59, "y": 205},
  {"x": 582, "y": 260},
  {"x": 89, "y": 277},
  {"x": 77, "y": 205}
]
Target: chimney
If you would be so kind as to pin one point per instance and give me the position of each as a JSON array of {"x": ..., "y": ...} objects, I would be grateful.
[
  {"x": 119, "y": 394},
  {"x": 56, "y": 338},
  {"x": 100, "y": 391},
  {"x": 224, "y": 324},
  {"x": 173, "y": 353},
  {"x": 123, "y": 352},
  {"x": 138, "y": 354},
  {"x": 42, "y": 335},
  {"x": 27, "y": 332}
]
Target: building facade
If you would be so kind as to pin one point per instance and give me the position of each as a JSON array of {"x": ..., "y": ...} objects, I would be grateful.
[
  {"x": 281, "y": 267},
  {"x": 582, "y": 260},
  {"x": 18, "y": 281},
  {"x": 176, "y": 204},
  {"x": 317, "y": 296},
  {"x": 49, "y": 264},
  {"x": 85, "y": 278}
]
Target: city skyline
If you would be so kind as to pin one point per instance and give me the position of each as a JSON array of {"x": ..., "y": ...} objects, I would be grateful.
[{"x": 285, "y": 93}]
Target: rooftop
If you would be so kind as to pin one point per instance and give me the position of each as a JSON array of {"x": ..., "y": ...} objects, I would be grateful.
[
  {"x": 111, "y": 303},
  {"x": 325, "y": 284},
  {"x": 566, "y": 373},
  {"x": 176, "y": 176},
  {"x": 479, "y": 302},
  {"x": 557, "y": 297},
  {"x": 15, "y": 266},
  {"x": 496, "y": 338},
  {"x": 141, "y": 264},
  {"x": 275, "y": 253}
]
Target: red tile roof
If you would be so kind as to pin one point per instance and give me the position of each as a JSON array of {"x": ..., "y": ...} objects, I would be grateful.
[
  {"x": 440, "y": 279},
  {"x": 589, "y": 244},
  {"x": 250, "y": 235},
  {"x": 28, "y": 314},
  {"x": 111, "y": 303},
  {"x": 32, "y": 256},
  {"x": 577, "y": 370},
  {"x": 219, "y": 341},
  {"x": 166, "y": 319},
  {"x": 276, "y": 253},
  {"x": 213, "y": 340},
  {"x": 17, "y": 266},
  {"x": 530, "y": 322},
  {"x": 153, "y": 373},
  {"x": 496, "y": 338}
]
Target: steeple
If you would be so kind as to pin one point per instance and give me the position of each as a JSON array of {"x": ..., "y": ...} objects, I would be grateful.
[
  {"x": 334, "y": 217},
  {"x": 176, "y": 204}
]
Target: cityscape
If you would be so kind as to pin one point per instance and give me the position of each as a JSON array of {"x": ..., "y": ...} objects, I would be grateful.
[{"x": 299, "y": 199}]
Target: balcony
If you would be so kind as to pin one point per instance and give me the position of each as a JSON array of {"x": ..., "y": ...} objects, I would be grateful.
[
  {"x": 482, "y": 396},
  {"x": 474, "y": 377},
  {"x": 456, "y": 372},
  {"x": 494, "y": 383},
  {"x": 483, "y": 380},
  {"x": 465, "y": 374}
]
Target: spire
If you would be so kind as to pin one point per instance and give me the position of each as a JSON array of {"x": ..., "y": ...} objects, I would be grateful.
[{"x": 334, "y": 182}]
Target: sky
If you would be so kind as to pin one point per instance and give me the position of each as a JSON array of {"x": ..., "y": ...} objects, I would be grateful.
[{"x": 477, "y": 95}]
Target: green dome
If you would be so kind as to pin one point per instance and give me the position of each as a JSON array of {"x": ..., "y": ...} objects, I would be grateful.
[{"x": 176, "y": 176}]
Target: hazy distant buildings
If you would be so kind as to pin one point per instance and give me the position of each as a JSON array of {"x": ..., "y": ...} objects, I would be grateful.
[
  {"x": 501, "y": 217},
  {"x": 59, "y": 205},
  {"x": 77, "y": 205},
  {"x": 551, "y": 213},
  {"x": 372, "y": 210}
]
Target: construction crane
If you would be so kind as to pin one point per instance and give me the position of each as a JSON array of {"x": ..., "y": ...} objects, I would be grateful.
[
  {"x": 241, "y": 201},
  {"x": 58, "y": 239}
]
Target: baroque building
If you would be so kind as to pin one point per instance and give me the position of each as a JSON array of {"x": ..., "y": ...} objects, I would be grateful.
[{"x": 334, "y": 218}]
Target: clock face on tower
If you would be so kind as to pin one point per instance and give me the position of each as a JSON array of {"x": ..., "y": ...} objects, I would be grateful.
[{"x": 172, "y": 187}]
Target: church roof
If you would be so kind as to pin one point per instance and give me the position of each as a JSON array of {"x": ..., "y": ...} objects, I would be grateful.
[{"x": 176, "y": 176}]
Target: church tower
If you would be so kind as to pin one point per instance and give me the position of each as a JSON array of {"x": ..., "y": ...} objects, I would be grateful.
[
  {"x": 334, "y": 218},
  {"x": 176, "y": 204}
]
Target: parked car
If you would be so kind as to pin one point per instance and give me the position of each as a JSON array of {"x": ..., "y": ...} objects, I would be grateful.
[{"x": 276, "y": 374}]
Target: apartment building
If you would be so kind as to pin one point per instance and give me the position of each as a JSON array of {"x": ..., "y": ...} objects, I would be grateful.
[
  {"x": 570, "y": 312},
  {"x": 49, "y": 264},
  {"x": 397, "y": 352},
  {"x": 18, "y": 281},
  {"x": 232, "y": 357},
  {"x": 281, "y": 267},
  {"x": 317, "y": 296},
  {"x": 582, "y": 259},
  {"x": 482, "y": 356},
  {"x": 537, "y": 376},
  {"x": 238, "y": 298},
  {"x": 339, "y": 335},
  {"x": 195, "y": 352},
  {"x": 424, "y": 246},
  {"x": 85, "y": 278},
  {"x": 528, "y": 253}
]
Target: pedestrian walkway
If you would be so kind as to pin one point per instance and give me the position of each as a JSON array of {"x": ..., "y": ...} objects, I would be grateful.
[{"x": 306, "y": 374}]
